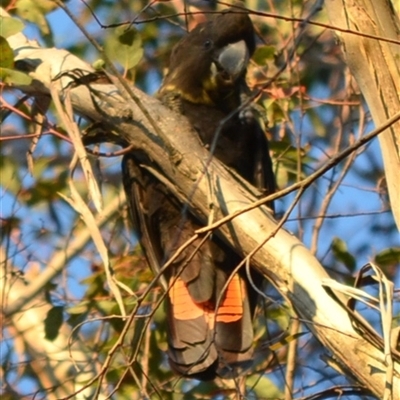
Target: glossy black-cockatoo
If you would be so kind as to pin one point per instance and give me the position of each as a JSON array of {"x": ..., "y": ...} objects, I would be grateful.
[{"x": 206, "y": 83}]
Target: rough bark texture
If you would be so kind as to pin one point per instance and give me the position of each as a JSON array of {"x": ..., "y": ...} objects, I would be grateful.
[
  {"x": 376, "y": 66},
  {"x": 283, "y": 259}
]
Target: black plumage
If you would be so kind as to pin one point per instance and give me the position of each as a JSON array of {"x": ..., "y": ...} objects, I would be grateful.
[{"x": 206, "y": 83}]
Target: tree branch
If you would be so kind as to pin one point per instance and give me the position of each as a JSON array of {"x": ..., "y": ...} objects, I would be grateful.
[
  {"x": 283, "y": 259},
  {"x": 375, "y": 65}
]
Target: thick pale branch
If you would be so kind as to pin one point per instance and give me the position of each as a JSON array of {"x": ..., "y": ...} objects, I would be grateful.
[
  {"x": 62, "y": 365},
  {"x": 283, "y": 259}
]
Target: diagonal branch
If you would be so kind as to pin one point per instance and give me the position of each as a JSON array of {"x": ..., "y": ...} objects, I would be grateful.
[{"x": 286, "y": 262}]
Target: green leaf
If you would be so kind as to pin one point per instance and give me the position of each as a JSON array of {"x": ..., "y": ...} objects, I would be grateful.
[
  {"x": 10, "y": 26},
  {"x": 261, "y": 385},
  {"x": 13, "y": 77},
  {"x": 125, "y": 47},
  {"x": 96, "y": 286},
  {"x": 8, "y": 74},
  {"x": 46, "y": 190},
  {"x": 9, "y": 172},
  {"x": 107, "y": 307},
  {"x": 99, "y": 64},
  {"x": 342, "y": 254},
  {"x": 34, "y": 11},
  {"x": 281, "y": 316},
  {"x": 388, "y": 257},
  {"x": 318, "y": 124},
  {"x": 53, "y": 322},
  {"x": 264, "y": 54},
  {"x": 7, "y": 54},
  {"x": 79, "y": 308}
]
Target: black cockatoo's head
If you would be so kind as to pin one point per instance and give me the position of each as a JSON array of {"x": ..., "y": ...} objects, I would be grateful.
[{"x": 208, "y": 65}]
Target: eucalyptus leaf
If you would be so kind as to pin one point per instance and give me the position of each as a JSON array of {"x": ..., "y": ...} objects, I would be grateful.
[
  {"x": 13, "y": 77},
  {"x": 125, "y": 47},
  {"x": 7, "y": 55},
  {"x": 341, "y": 252},
  {"x": 10, "y": 26}
]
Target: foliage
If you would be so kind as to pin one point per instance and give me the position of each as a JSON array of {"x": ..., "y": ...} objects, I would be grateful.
[{"x": 314, "y": 110}]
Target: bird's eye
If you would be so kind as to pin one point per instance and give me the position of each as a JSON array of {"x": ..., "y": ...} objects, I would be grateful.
[{"x": 208, "y": 44}]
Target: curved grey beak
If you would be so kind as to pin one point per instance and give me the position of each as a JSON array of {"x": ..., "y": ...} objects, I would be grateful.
[{"x": 233, "y": 58}]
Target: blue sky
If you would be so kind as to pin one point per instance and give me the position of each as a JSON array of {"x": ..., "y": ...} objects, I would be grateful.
[{"x": 355, "y": 195}]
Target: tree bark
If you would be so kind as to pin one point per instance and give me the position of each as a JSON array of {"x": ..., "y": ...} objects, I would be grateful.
[
  {"x": 61, "y": 365},
  {"x": 375, "y": 64},
  {"x": 283, "y": 259}
]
